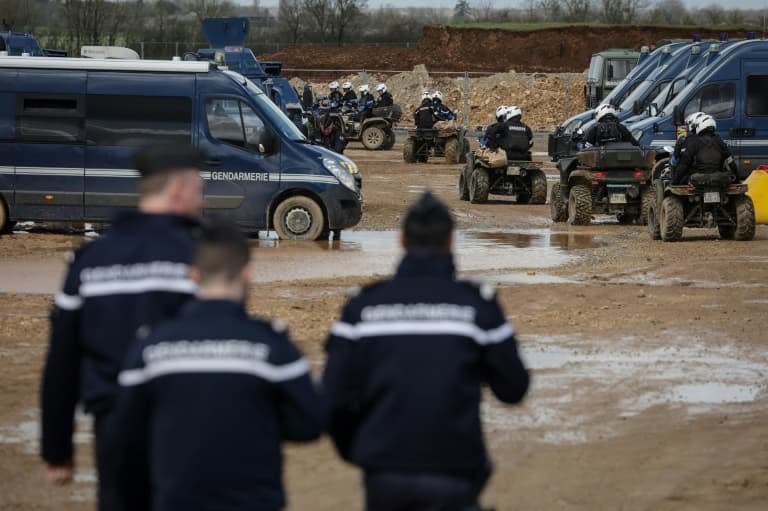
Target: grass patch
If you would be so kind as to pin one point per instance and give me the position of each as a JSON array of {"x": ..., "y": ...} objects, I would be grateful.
[{"x": 530, "y": 27}]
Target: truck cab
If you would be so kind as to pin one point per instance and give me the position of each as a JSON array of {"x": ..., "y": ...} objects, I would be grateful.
[{"x": 606, "y": 70}]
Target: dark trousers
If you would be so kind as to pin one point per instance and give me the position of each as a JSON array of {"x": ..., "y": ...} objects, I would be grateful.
[
  {"x": 109, "y": 496},
  {"x": 403, "y": 491}
]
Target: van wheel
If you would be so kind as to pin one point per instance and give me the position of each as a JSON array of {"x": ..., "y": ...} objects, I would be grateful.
[
  {"x": 299, "y": 218},
  {"x": 373, "y": 138}
]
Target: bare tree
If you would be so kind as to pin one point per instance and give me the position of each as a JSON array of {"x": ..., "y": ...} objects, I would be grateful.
[
  {"x": 203, "y": 9},
  {"x": 552, "y": 10},
  {"x": 713, "y": 14},
  {"x": 668, "y": 12},
  {"x": 484, "y": 10},
  {"x": 622, "y": 11},
  {"x": 345, "y": 13},
  {"x": 577, "y": 10},
  {"x": 321, "y": 12},
  {"x": 290, "y": 17}
]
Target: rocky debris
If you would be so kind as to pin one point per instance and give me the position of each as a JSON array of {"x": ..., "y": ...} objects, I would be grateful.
[{"x": 546, "y": 99}]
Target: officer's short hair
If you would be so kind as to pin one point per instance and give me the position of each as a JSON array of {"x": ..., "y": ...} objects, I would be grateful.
[
  {"x": 156, "y": 163},
  {"x": 222, "y": 251},
  {"x": 428, "y": 223}
]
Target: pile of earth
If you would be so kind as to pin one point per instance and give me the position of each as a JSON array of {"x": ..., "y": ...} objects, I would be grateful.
[
  {"x": 552, "y": 50},
  {"x": 546, "y": 99}
]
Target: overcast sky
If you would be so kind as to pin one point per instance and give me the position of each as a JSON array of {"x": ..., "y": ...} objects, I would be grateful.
[{"x": 744, "y": 4}]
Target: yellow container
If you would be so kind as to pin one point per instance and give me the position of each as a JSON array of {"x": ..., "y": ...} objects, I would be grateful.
[{"x": 758, "y": 190}]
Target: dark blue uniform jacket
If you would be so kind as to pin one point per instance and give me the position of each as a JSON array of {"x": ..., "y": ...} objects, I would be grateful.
[
  {"x": 135, "y": 275},
  {"x": 209, "y": 397},
  {"x": 406, "y": 364}
]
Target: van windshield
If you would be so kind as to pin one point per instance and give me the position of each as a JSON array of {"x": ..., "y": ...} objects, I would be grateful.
[{"x": 276, "y": 117}]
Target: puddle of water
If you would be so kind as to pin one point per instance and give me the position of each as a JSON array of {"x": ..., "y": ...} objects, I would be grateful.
[{"x": 582, "y": 389}]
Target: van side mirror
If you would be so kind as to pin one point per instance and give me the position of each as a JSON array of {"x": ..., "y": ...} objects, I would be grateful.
[
  {"x": 610, "y": 71},
  {"x": 677, "y": 115},
  {"x": 653, "y": 110},
  {"x": 267, "y": 143},
  {"x": 637, "y": 108}
]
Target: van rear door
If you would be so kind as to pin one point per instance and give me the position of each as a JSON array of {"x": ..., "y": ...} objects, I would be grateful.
[
  {"x": 753, "y": 128},
  {"x": 126, "y": 111},
  {"x": 243, "y": 158},
  {"x": 50, "y": 150}
]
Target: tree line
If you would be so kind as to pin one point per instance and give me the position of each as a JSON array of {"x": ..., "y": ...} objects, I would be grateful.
[{"x": 70, "y": 24}]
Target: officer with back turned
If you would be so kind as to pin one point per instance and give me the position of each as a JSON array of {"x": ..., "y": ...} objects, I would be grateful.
[{"x": 406, "y": 365}]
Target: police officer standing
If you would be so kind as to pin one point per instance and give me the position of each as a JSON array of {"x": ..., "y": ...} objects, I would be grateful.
[
  {"x": 134, "y": 276},
  {"x": 405, "y": 367},
  {"x": 210, "y": 395},
  {"x": 705, "y": 153},
  {"x": 607, "y": 129}
]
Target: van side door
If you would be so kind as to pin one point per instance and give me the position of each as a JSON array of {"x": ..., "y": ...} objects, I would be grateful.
[
  {"x": 243, "y": 167},
  {"x": 753, "y": 128},
  {"x": 126, "y": 111},
  {"x": 50, "y": 150},
  {"x": 718, "y": 99}
]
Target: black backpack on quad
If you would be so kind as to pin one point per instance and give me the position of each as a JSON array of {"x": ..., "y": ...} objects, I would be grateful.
[
  {"x": 523, "y": 179},
  {"x": 451, "y": 144},
  {"x": 612, "y": 179},
  {"x": 710, "y": 200}
]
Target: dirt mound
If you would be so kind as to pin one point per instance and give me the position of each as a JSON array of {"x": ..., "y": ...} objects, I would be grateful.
[
  {"x": 564, "y": 49},
  {"x": 546, "y": 99}
]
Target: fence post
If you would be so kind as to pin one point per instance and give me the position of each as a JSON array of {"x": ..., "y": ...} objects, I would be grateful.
[
  {"x": 176, "y": 53},
  {"x": 466, "y": 99},
  {"x": 142, "y": 50},
  {"x": 566, "y": 102}
]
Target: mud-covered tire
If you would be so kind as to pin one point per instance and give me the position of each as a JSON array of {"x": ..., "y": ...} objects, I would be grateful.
[
  {"x": 658, "y": 168},
  {"x": 654, "y": 229},
  {"x": 373, "y": 138},
  {"x": 451, "y": 150},
  {"x": 299, "y": 218},
  {"x": 647, "y": 200},
  {"x": 745, "y": 219},
  {"x": 671, "y": 219},
  {"x": 479, "y": 185},
  {"x": 389, "y": 143},
  {"x": 463, "y": 188},
  {"x": 557, "y": 208},
  {"x": 538, "y": 187},
  {"x": 580, "y": 205},
  {"x": 464, "y": 151},
  {"x": 6, "y": 225},
  {"x": 408, "y": 151}
]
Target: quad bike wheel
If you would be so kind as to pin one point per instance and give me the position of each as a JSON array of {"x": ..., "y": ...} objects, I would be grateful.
[
  {"x": 745, "y": 218},
  {"x": 580, "y": 205},
  {"x": 463, "y": 188},
  {"x": 390, "y": 141},
  {"x": 538, "y": 187},
  {"x": 671, "y": 219},
  {"x": 479, "y": 185},
  {"x": 557, "y": 207},
  {"x": 373, "y": 138},
  {"x": 654, "y": 229},
  {"x": 464, "y": 151},
  {"x": 647, "y": 200},
  {"x": 451, "y": 150},
  {"x": 408, "y": 151}
]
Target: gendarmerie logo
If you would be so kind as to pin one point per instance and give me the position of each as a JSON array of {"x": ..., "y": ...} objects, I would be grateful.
[
  {"x": 205, "y": 349},
  {"x": 415, "y": 311}
]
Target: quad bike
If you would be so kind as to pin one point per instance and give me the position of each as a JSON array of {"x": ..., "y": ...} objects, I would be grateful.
[
  {"x": 375, "y": 133},
  {"x": 709, "y": 200},
  {"x": 523, "y": 179},
  {"x": 612, "y": 179},
  {"x": 452, "y": 144}
]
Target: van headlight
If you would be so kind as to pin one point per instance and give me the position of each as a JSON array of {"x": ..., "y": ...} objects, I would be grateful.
[
  {"x": 637, "y": 135},
  {"x": 340, "y": 170}
]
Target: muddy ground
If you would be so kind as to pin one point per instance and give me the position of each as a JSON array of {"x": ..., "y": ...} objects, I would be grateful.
[{"x": 649, "y": 360}]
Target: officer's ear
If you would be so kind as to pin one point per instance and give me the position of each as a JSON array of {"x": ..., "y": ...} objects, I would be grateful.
[
  {"x": 193, "y": 272},
  {"x": 246, "y": 274}
]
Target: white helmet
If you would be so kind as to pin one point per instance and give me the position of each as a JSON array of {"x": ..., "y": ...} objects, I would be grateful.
[
  {"x": 346, "y": 85},
  {"x": 425, "y": 95},
  {"x": 437, "y": 95},
  {"x": 514, "y": 111},
  {"x": 333, "y": 85},
  {"x": 364, "y": 88},
  {"x": 705, "y": 122},
  {"x": 501, "y": 112},
  {"x": 603, "y": 110},
  {"x": 690, "y": 121},
  {"x": 381, "y": 88}
]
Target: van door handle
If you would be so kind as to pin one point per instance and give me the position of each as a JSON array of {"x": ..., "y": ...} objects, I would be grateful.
[
  {"x": 213, "y": 163},
  {"x": 742, "y": 132}
]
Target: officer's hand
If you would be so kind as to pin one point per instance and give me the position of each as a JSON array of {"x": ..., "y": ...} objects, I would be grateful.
[{"x": 60, "y": 474}]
